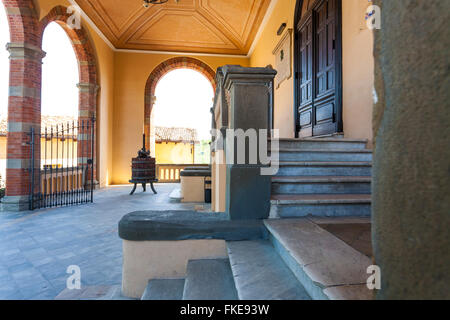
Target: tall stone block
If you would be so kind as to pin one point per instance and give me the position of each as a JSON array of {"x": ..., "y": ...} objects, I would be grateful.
[
  {"x": 411, "y": 185},
  {"x": 249, "y": 92}
]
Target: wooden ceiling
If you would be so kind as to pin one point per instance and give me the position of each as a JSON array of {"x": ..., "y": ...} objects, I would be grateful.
[{"x": 197, "y": 26}]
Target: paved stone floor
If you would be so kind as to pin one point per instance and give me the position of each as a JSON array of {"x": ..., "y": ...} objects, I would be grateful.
[{"x": 37, "y": 247}]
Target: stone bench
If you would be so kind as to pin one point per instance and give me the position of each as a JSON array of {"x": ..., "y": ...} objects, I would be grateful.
[
  {"x": 159, "y": 244},
  {"x": 193, "y": 184}
]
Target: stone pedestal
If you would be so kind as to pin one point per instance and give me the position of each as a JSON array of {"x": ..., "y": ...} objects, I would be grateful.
[{"x": 250, "y": 98}]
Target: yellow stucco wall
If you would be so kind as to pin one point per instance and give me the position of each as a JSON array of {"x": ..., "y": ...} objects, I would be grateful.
[
  {"x": 123, "y": 75},
  {"x": 130, "y": 76},
  {"x": 357, "y": 68},
  {"x": 174, "y": 153}
]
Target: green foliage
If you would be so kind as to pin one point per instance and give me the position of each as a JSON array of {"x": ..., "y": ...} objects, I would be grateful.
[{"x": 203, "y": 152}]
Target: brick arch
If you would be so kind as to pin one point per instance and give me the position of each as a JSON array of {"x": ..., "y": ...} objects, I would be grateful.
[
  {"x": 23, "y": 21},
  {"x": 160, "y": 71},
  {"x": 88, "y": 75},
  {"x": 87, "y": 62}
]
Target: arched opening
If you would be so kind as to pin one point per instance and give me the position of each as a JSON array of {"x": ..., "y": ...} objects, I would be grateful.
[
  {"x": 181, "y": 122},
  {"x": 160, "y": 71},
  {"x": 59, "y": 76},
  {"x": 77, "y": 99},
  {"x": 4, "y": 86}
]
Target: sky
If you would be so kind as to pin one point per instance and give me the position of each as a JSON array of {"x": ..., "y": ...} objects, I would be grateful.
[{"x": 184, "y": 97}]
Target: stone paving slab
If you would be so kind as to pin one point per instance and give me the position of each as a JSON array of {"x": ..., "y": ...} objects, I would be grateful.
[{"x": 37, "y": 247}]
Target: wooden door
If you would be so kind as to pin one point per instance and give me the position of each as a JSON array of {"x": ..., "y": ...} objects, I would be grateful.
[{"x": 318, "y": 70}]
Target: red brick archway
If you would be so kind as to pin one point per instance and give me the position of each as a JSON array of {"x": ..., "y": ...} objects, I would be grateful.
[
  {"x": 159, "y": 72},
  {"x": 87, "y": 62},
  {"x": 24, "y": 102},
  {"x": 87, "y": 67}
]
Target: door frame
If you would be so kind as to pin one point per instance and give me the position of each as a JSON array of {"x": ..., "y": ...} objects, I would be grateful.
[{"x": 339, "y": 81}]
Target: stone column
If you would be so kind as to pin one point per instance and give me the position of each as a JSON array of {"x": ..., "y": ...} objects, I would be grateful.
[
  {"x": 87, "y": 112},
  {"x": 411, "y": 185},
  {"x": 249, "y": 100},
  {"x": 24, "y": 113}
]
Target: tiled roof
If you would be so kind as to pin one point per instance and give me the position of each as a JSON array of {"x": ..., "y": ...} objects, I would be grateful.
[
  {"x": 47, "y": 121},
  {"x": 175, "y": 135}
]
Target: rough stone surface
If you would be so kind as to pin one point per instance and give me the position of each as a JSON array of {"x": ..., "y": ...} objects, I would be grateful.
[
  {"x": 164, "y": 289},
  {"x": 209, "y": 280},
  {"x": 195, "y": 173},
  {"x": 261, "y": 274},
  {"x": 411, "y": 185},
  {"x": 187, "y": 225},
  {"x": 248, "y": 193}
]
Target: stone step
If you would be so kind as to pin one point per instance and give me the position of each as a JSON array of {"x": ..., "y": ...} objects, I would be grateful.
[
  {"x": 322, "y": 144},
  {"x": 260, "y": 274},
  {"x": 321, "y": 185},
  {"x": 164, "y": 289},
  {"x": 317, "y": 168},
  {"x": 326, "y": 266},
  {"x": 209, "y": 280},
  {"x": 320, "y": 205},
  {"x": 325, "y": 155}
]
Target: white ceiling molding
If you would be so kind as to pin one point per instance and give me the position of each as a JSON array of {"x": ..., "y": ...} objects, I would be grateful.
[{"x": 110, "y": 45}]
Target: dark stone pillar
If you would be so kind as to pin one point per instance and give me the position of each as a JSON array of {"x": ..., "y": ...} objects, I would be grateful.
[
  {"x": 411, "y": 185},
  {"x": 249, "y": 95}
]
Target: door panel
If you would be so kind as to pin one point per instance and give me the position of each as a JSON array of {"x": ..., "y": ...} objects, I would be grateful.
[{"x": 318, "y": 81}]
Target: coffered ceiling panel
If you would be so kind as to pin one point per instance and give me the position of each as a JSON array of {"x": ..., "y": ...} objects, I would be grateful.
[{"x": 198, "y": 26}]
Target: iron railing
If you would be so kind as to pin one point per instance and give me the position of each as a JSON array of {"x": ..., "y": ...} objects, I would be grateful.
[{"x": 62, "y": 164}]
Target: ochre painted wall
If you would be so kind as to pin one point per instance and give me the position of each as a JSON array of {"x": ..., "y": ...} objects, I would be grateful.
[
  {"x": 105, "y": 60},
  {"x": 357, "y": 68},
  {"x": 262, "y": 56},
  {"x": 130, "y": 76},
  {"x": 174, "y": 153}
]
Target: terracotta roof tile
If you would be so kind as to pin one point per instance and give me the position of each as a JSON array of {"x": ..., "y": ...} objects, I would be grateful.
[
  {"x": 47, "y": 121},
  {"x": 163, "y": 134}
]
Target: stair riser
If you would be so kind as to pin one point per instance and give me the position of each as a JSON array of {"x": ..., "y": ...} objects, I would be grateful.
[
  {"x": 321, "y": 210},
  {"x": 324, "y": 171},
  {"x": 324, "y": 188},
  {"x": 324, "y": 156},
  {"x": 318, "y": 145}
]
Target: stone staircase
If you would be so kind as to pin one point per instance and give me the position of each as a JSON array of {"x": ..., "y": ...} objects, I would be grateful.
[
  {"x": 254, "y": 271},
  {"x": 321, "y": 182},
  {"x": 299, "y": 260},
  {"x": 322, "y": 177}
]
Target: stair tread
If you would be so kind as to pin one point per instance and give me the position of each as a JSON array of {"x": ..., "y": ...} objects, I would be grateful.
[
  {"x": 325, "y": 163},
  {"x": 210, "y": 279},
  {"x": 323, "y": 140},
  {"x": 164, "y": 289},
  {"x": 324, "y": 150},
  {"x": 260, "y": 274},
  {"x": 320, "y": 198},
  {"x": 323, "y": 261},
  {"x": 337, "y": 179}
]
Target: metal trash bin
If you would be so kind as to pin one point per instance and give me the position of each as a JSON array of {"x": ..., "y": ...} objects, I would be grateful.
[{"x": 207, "y": 189}]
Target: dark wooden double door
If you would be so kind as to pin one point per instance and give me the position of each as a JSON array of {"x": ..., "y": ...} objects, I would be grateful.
[{"x": 318, "y": 41}]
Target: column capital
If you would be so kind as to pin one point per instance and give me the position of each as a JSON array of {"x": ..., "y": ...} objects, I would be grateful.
[
  {"x": 233, "y": 74},
  {"x": 151, "y": 100},
  {"x": 88, "y": 87},
  {"x": 20, "y": 50}
]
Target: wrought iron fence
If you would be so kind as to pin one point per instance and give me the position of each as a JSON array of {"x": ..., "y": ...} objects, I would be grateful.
[{"x": 62, "y": 164}]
